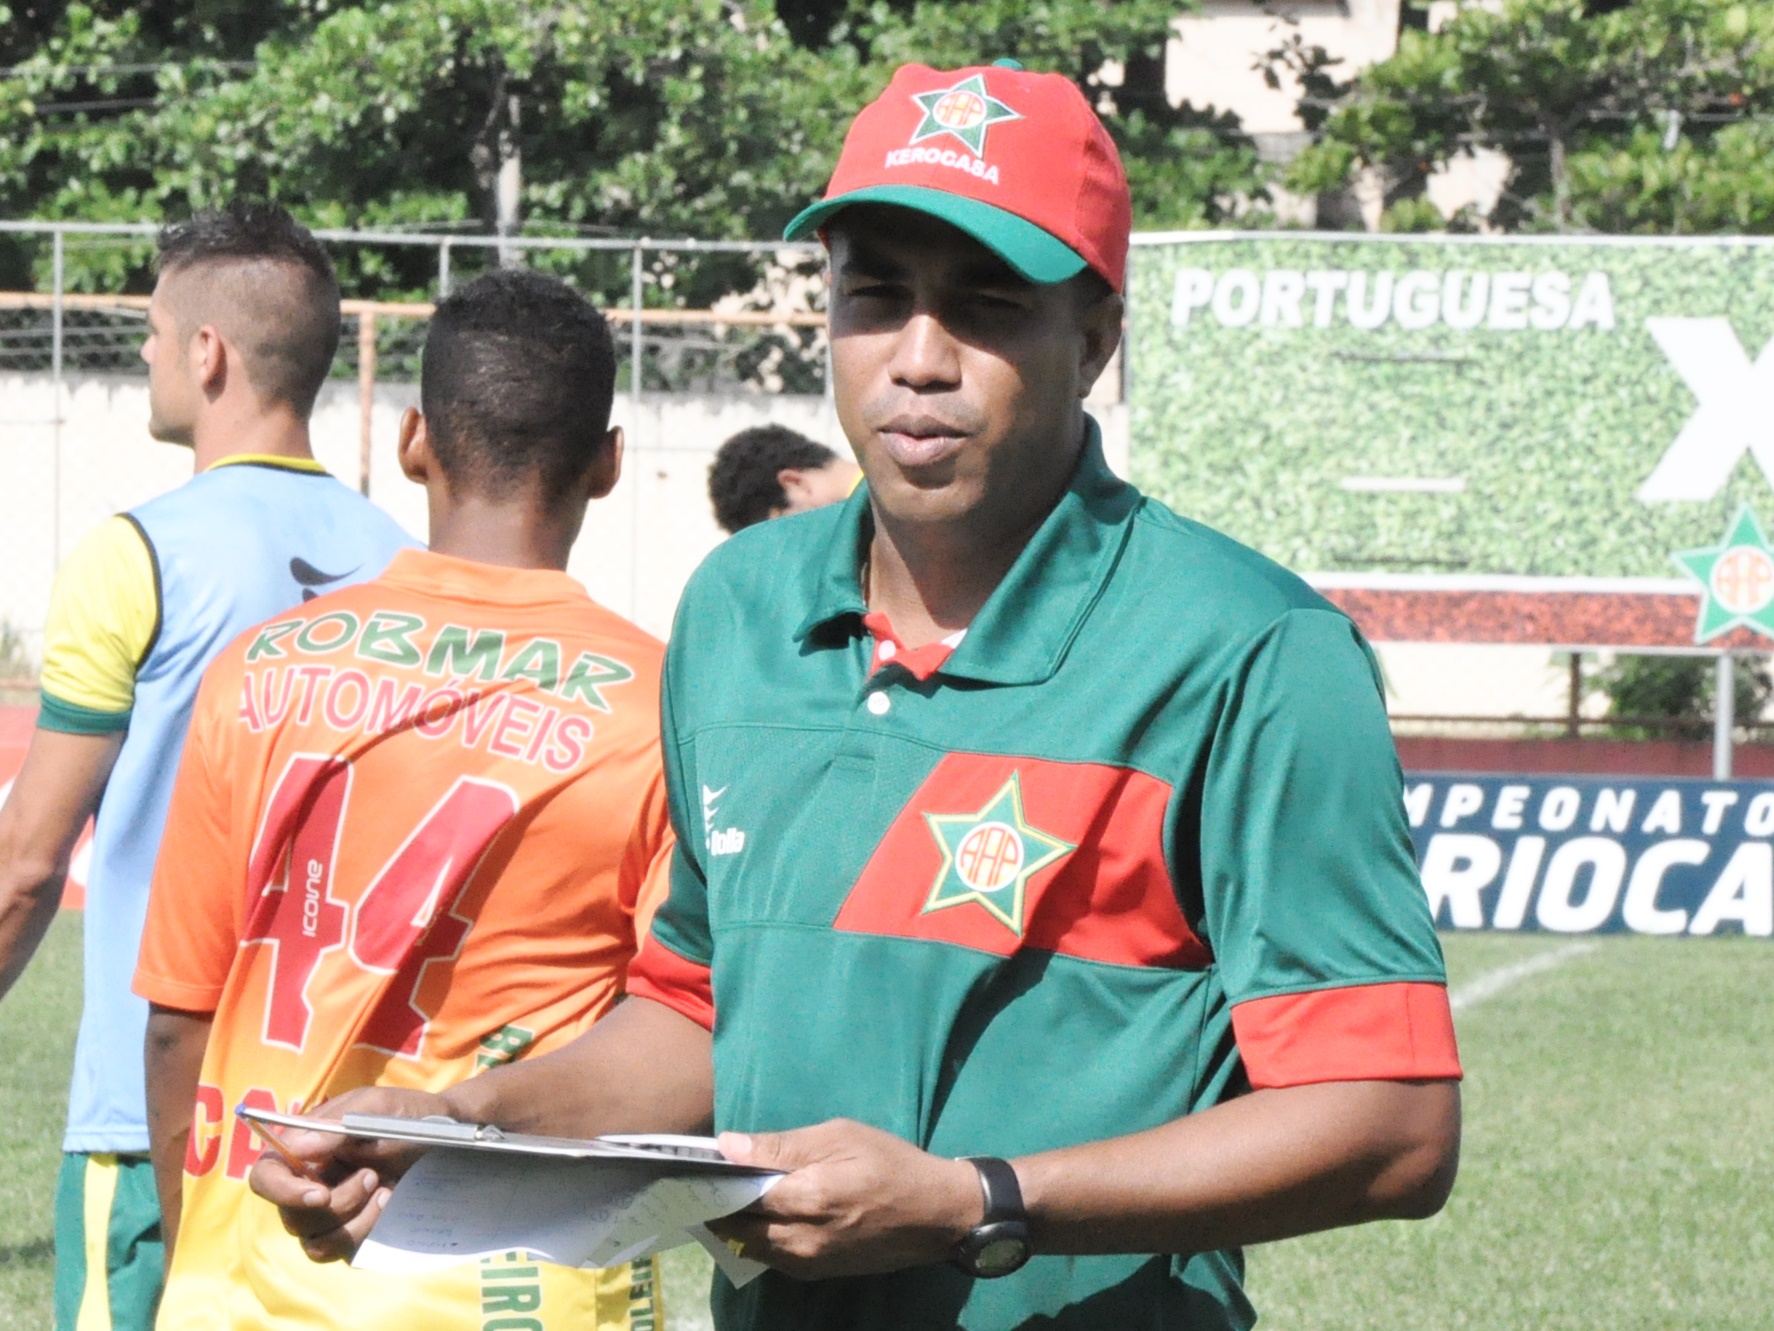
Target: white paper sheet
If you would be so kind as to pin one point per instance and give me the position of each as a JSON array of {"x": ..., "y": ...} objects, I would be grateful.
[
  {"x": 740, "y": 1270},
  {"x": 461, "y": 1205}
]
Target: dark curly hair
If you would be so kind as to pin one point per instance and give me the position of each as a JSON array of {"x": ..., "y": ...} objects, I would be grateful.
[
  {"x": 518, "y": 375},
  {"x": 742, "y": 482}
]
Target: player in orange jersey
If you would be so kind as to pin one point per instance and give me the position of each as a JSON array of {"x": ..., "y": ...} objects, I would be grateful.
[{"x": 417, "y": 832}]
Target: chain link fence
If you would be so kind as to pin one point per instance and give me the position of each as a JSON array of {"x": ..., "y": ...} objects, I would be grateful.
[
  {"x": 702, "y": 328},
  {"x": 711, "y": 337},
  {"x": 763, "y": 333},
  {"x": 102, "y": 339},
  {"x": 710, "y": 353}
]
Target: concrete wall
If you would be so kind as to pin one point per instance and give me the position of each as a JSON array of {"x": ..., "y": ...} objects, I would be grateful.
[
  {"x": 1211, "y": 53},
  {"x": 1479, "y": 680},
  {"x": 639, "y": 547}
]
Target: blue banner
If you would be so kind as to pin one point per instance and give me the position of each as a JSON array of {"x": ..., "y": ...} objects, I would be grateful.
[{"x": 1578, "y": 855}]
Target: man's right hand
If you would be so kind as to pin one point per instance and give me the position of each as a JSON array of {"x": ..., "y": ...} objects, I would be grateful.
[
  {"x": 332, "y": 1202},
  {"x": 644, "y": 1068}
]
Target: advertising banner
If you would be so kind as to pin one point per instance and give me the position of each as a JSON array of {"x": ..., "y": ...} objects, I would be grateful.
[
  {"x": 1581, "y": 855},
  {"x": 1488, "y": 417}
]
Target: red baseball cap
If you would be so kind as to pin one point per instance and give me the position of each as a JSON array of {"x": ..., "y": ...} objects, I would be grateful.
[{"x": 1017, "y": 160}]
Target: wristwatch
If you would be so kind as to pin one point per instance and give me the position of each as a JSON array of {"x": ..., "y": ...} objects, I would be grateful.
[{"x": 999, "y": 1243}]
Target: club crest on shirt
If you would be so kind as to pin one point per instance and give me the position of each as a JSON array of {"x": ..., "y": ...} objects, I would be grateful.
[{"x": 989, "y": 856}]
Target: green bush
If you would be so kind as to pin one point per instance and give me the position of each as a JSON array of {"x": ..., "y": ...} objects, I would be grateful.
[{"x": 1679, "y": 689}]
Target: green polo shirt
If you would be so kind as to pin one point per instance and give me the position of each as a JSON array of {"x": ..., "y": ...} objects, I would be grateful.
[{"x": 1137, "y": 846}]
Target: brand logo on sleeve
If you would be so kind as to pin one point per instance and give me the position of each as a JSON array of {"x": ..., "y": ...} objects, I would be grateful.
[
  {"x": 308, "y": 577},
  {"x": 724, "y": 840},
  {"x": 988, "y": 857}
]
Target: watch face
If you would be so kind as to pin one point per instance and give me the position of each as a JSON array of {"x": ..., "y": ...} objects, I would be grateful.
[{"x": 1001, "y": 1256}]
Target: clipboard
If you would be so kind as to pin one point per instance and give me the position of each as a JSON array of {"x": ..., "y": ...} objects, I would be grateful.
[{"x": 670, "y": 1153}]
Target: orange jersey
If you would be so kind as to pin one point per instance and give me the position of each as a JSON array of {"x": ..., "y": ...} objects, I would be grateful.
[{"x": 417, "y": 831}]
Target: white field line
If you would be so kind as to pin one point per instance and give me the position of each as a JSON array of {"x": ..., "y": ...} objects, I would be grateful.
[
  {"x": 1487, "y": 985},
  {"x": 1470, "y": 994},
  {"x": 1492, "y": 983}
]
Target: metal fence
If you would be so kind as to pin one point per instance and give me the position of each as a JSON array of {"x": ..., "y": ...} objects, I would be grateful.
[
  {"x": 731, "y": 324},
  {"x": 733, "y": 319},
  {"x": 767, "y": 336}
]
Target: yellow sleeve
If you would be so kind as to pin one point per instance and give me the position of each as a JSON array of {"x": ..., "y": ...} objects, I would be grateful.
[{"x": 104, "y": 612}]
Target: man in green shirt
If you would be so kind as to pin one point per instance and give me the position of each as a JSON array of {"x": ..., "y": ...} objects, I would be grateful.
[{"x": 1043, "y": 900}]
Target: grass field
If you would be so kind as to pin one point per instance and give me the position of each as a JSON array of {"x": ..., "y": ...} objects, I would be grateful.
[
  {"x": 1618, "y": 1171},
  {"x": 37, "y": 1023}
]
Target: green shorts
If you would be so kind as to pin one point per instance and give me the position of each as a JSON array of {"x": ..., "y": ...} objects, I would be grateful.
[{"x": 109, "y": 1260}]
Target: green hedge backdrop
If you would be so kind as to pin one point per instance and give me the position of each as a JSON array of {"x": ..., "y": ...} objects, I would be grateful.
[{"x": 1253, "y": 429}]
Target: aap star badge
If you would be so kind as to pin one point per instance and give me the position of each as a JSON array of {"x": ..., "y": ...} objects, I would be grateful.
[
  {"x": 965, "y": 111},
  {"x": 1738, "y": 578},
  {"x": 989, "y": 856}
]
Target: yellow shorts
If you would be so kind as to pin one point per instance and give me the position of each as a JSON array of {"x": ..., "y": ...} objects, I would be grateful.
[{"x": 512, "y": 1292}]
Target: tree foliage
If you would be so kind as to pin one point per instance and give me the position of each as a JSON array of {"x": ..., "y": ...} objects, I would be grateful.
[
  {"x": 1651, "y": 116},
  {"x": 706, "y": 118},
  {"x": 1679, "y": 691}
]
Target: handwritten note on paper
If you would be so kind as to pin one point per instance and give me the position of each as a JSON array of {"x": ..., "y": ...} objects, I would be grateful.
[
  {"x": 661, "y": 1216},
  {"x": 457, "y": 1206}
]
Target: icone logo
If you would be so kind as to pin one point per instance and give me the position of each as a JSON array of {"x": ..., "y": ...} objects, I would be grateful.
[{"x": 988, "y": 857}]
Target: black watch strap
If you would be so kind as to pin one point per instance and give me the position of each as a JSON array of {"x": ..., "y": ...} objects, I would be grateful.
[
  {"x": 999, "y": 1244},
  {"x": 1003, "y": 1194}
]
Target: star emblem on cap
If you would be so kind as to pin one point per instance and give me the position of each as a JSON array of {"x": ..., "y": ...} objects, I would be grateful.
[
  {"x": 965, "y": 111},
  {"x": 1737, "y": 578},
  {"x": 988, "y": 857}
]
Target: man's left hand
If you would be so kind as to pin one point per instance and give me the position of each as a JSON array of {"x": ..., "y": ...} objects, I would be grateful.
[{"x": 856, "y": 1201}]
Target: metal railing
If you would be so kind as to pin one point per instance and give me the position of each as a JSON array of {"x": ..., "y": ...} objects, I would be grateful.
[
  {"x": 760, "y": 328},
  {"x": 770, "y": 338},
  {"x": 1605, "y": 726}
]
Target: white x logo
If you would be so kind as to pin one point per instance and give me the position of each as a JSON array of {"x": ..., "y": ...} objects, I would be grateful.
[{"x": 1735, "y": 416}]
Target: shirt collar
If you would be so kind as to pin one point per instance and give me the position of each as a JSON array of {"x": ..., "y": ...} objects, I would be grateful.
[
  {"x": 1022, "y": 633},
  {"x": 919, "y": 662},
  {"x": 274, "y": 460},
  {"x": 470, "y": 580}
]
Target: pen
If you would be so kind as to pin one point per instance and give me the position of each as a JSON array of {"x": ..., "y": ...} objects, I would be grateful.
[{"x": 267, "y": 1135}]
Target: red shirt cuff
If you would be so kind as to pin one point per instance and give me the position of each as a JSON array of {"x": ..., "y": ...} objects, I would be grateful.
[
  {"x": 1371, "y": 1032},
  {"x": 682, "y": 985}
]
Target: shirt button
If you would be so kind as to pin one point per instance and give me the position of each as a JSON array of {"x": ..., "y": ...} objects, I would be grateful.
[
  {"x": 879, "y": 703},
  {"x": 887, "y": 650}
]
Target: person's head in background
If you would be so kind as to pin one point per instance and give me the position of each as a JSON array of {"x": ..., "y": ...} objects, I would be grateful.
[
  {"x": 512, "y": 435},
  {"x": 242, "y": 326},
  {"x": 770, "y": 471}
]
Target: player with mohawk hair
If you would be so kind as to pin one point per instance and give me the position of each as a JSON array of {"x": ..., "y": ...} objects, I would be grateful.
[{"x": 242, "y": 328}]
